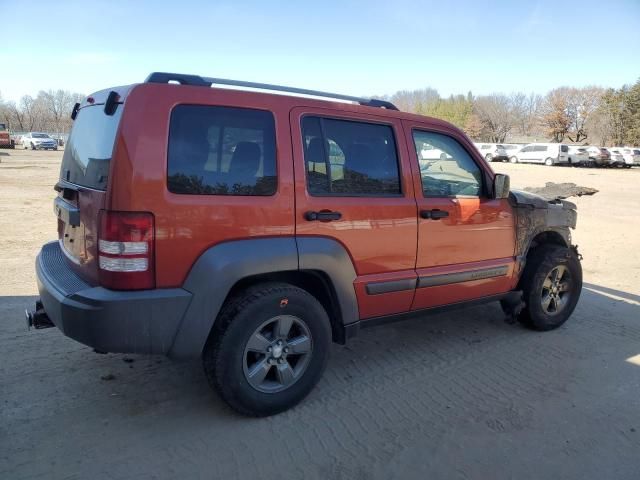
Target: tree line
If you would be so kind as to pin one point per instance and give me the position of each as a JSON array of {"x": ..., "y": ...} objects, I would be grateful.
[
  {"x": 592, "y": 114},
  {"x": 566, "y": 114},
  {"x": 49, "y": 112}
]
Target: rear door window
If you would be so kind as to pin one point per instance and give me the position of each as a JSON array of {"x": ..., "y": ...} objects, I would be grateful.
[
  {"x": 221, "y": 151},
  {"x": 350, "y": 158},
  {"x": 88, "y": 152},
  {"x": 564, "y": 148}
]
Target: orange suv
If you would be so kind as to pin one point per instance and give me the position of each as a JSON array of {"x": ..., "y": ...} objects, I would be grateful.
[{"x": 251, "y": 229}]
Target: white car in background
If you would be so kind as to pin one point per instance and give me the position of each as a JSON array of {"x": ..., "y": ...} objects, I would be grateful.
[
  {"x": 547, "y": 153},
  {"x": 511, "y": 149},
  {"x": 631, "y": 155},
  {"x": 429, "y": 152},
  {"x": 578, "y": 155},
  {"x": 38, "y": 141},
  {"x": 492, "y": 152},
  {"x": 618, "y": 159}
]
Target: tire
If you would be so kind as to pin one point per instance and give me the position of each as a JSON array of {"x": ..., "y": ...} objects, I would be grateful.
[
  {"x": 541, "y": 263},
  {"x": 548, "y": 162},
  {"x": 488, "y": 157},
  {"x": 513, "y": 159},
  {"x": 33, "y": 147},
  {"x": 230, "y": 360},
  {"x": 25, "y": 146}
]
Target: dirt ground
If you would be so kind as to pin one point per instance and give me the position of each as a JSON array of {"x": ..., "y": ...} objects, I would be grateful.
[{"x": 460, "y": 395}]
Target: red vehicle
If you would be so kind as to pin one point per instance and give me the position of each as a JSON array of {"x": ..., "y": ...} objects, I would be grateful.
[
  {"x": 251, "y": 229},
  {"x": 5, "y": 137}
]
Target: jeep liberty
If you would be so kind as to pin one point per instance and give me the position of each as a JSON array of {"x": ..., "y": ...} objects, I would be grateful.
[{"x": 252, "y": 226}]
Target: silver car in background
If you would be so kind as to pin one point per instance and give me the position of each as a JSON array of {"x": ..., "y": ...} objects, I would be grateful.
[{"x": 38, "y": 141}]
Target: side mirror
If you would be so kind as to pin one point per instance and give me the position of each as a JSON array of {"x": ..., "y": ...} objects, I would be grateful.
[{"x": 501, "y": 186}]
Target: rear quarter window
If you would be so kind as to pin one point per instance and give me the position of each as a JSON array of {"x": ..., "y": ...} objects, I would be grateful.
[{"x": 221, "y": 151}]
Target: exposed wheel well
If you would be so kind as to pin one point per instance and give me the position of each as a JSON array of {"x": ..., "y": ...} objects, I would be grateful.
[
  {"x": 315, "y": 282},
  {"x": 548, "y": 237}
]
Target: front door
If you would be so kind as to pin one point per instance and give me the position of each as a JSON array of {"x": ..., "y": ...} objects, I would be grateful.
[
  {"x": 353, "y": 185},
  {"x": 466, "y": 239}
]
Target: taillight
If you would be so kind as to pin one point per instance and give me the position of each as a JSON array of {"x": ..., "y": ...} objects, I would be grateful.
[{"x": 125, "y": 250}]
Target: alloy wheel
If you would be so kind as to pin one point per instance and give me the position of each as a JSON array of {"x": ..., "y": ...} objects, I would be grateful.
[
  {"x": 277, "y": 354},
  {"x": 556, "y": 290}
]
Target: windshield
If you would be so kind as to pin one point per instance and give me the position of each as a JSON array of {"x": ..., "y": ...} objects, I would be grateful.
[
  {"x": 90, "y": 146},
  {"x": 39, "y": 135}
]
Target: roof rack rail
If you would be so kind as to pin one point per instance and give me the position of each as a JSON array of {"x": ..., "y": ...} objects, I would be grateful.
[{"x": 196, "y": 80}]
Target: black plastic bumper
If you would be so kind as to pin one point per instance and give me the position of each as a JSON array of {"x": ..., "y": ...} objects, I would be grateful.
[{"x": 143, "y": 321}]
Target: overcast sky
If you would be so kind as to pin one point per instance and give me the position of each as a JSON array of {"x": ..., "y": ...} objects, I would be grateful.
[{"x": 358, "y": 48}]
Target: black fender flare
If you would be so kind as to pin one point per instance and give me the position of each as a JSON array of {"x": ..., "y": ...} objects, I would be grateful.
[{"x": 220, "y": 267}]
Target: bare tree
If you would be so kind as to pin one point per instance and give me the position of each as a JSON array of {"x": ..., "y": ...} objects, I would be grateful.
[
  {"x": 525, "y": 110},
  {"x": 496, "y": 114},
  {"x": 582, "y": 103},
  {"x": 415, "y": 100}
]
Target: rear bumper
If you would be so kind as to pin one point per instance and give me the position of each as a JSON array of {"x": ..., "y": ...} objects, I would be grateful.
[{"x": 143, "y": 321}]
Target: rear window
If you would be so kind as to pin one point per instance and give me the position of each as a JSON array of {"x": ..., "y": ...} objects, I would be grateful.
[
  {"x": 221, "y": 151},
  {"x": 90, "y": 146}
]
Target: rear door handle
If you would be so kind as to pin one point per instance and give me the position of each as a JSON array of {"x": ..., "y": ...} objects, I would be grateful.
[
  {"x": 435, "y": 214},
  {"x": 324, "y": 216}
]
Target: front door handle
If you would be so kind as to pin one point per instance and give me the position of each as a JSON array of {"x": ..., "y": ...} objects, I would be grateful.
[
  {"x": 435, "y": 214},
  {"x": 323, "y": 216}
]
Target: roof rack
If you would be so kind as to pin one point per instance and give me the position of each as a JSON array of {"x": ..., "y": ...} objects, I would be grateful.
[{"x": 196, "y": 80}]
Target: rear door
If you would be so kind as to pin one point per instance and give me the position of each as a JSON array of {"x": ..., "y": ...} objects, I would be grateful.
[
  {"x": 563, "y": 153},
  {"x": 353, "y": 184},
  {"x": 466, "y": 240},
  {"x": 82, "y": 186}
]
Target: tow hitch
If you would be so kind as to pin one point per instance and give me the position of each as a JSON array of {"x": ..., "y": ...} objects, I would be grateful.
[{"x": 39, "y": 318}]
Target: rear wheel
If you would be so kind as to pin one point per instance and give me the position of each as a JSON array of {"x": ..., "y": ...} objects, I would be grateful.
[
  {"x": 551, "y": 285},
  {"x": 488, "y": 157},
  {"x": 268, "y": 349},
  {"x": 548, "y": 162}
]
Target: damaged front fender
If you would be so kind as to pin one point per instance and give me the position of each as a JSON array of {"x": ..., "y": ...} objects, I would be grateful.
[{"x": 536, "y": 216}]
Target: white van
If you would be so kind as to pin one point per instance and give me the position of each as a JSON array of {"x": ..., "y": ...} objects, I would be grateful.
[{"x": 547, "y": 153}]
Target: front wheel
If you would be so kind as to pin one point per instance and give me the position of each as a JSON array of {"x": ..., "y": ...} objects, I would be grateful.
[
  {"x": 268, "y": 348},
  {"x": 551, "y": 286},
  {"x": 513, "y": 159}
]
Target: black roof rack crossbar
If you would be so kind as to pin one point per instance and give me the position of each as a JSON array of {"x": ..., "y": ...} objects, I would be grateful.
[{"x": 162, "y": 77}]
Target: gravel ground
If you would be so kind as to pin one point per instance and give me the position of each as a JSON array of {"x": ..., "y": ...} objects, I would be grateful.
[{"x": 460, "y": 395}]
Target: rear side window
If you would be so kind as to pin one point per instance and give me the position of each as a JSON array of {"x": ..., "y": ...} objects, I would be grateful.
[
  {"x": 540, "y": 148},
  {"x": 88, "y": 152},
  {"x": 349, "y": 158},
  {"x": 221, "y": 151}
]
